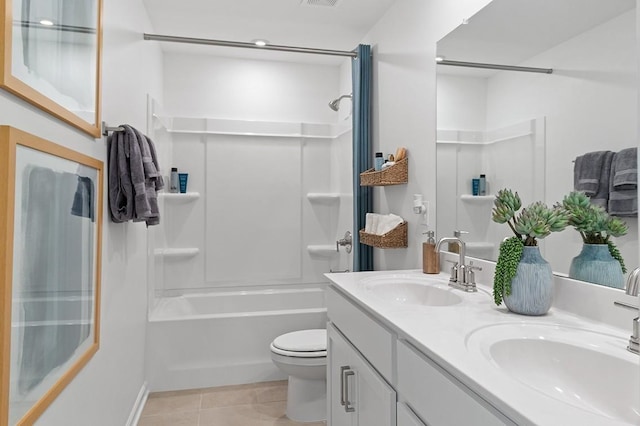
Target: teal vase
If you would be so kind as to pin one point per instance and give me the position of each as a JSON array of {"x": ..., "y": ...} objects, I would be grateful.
[
  {"x": 532, "y": 287},
  {"x": 595, "y": 264}
]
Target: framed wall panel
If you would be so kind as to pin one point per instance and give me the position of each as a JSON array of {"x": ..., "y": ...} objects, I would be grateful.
[
  {"x": 50, "y": 56},
  {"x": 50, "y": 254}
]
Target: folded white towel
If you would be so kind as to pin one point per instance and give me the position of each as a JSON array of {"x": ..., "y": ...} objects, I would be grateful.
[
  {"x": 387, "y": 223},
  {"x": 368, "y": 224}
]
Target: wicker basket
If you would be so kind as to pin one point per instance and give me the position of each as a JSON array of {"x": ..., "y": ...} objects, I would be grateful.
[
  {"x": 392, "y": 175},
  {"x": 396, "y": 238}
]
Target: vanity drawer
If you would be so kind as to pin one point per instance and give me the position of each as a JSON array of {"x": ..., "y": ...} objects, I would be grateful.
[
  {"x": 439, "y": 398},
  {"x": 372, "y": 340}
]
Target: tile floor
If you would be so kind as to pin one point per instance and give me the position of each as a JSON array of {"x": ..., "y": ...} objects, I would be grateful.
[{"x": 260, "y": 404}]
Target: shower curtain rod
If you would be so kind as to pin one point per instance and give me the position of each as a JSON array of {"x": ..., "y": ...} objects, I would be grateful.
[
  {"x": 210, "y": 42},
  {"x": 495, "y": 66}
]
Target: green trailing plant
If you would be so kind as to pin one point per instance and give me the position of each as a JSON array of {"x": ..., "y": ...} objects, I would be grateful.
[
  {"x": 593, "y": 223},
  {"x": 506, "y": 267},
  {"x": 534, "y": 222}
]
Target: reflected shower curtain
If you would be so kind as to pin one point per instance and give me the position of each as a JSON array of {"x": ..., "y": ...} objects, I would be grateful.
[
  {"x": 361, "y": 69},
  {"x": 57, "y": 240}
]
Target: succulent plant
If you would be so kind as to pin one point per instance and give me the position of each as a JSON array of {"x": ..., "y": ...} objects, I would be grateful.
[
  {"x": 593, "y": 223},
  {"x": 536, "y": 221}
]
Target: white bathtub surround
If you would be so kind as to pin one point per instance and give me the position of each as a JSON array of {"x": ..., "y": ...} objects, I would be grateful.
[
  {"x": 451, "y": 336},
  {"x": 222, "y": 338}
]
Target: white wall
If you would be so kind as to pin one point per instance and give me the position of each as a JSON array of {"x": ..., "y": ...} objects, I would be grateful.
[
  {"x": 227, "y": 169},
  {"x": 590, "y": 104},
  {"x": 404, "y": 98},
  {"x": 232, "y": 88},
  {"x": 461, "y": 102},
  {"x": 105, "y": 390}
]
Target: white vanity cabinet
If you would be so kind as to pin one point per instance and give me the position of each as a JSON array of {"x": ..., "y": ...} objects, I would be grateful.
[
  {"x": 377, "y": 378},
  {"x": 406, "y": 417},
  {"x": 438, "y": 397},
  {"x": 358, "y": 395}
]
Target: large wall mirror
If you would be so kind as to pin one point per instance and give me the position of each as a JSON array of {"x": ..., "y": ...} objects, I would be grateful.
[
  {"x": 524, "y": 130},
  {"x": 52, "y": 57},
  {"x": 50, "y": 233}
]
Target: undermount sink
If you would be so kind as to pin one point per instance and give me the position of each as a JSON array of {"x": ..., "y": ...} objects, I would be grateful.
[
  {"x": 408, "y": 290},
  {"x": 588, "y": 370}
]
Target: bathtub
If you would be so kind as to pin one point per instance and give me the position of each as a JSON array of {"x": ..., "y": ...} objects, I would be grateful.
[{"x": 222, "y": 338}]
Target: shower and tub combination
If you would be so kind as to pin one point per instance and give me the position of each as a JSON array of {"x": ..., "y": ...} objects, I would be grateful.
[{"x": 230, "y": 270}]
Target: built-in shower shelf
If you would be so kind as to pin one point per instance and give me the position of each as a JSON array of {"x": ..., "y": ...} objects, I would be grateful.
[
  {"x": 176, "y": 196},
  {"x": 323, "y": 197},
  {"x": 477, "y": 198},
  {"x": 176, "y": 253},
  {"x": 322, "y": 250}
]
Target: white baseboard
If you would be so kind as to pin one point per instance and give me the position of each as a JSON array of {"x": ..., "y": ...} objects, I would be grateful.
[
  {"x": 212, "y": 376},
  {"x": 138, "y": 405}
]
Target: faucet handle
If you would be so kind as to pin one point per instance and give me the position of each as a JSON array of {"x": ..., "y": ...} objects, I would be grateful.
[{"x": 454, "y": 271}]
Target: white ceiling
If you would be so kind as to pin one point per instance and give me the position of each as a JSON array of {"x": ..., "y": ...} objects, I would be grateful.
[
  {"x": 511, "y": 31},
  {"x": 281, "y": 22}
]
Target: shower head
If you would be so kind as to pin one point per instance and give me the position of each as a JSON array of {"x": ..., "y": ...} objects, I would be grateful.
[{"x": 335, "y": 104}]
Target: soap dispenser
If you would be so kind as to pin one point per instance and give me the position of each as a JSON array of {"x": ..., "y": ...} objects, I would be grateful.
[{"x": 430, "y": 258}]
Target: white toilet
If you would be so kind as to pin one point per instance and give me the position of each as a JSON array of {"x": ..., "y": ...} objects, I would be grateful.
[{"x": 302, "y": 355}]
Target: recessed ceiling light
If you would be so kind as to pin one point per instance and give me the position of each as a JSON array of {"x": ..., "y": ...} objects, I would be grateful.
[
  {"x": 439, "y": 58},
  {"x": 260, "y": 42},
  {"x": 47, "y": 22}
]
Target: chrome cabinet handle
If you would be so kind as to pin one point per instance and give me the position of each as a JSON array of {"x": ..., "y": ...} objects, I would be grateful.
[
  {"x": 342, "y": 384},
  {"x": 347, "y": 403}
]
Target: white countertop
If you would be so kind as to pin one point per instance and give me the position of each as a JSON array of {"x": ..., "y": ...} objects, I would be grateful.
[{"x": 441, "y": 333}]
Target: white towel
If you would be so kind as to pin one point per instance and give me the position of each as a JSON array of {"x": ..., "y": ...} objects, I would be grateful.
[
  {"x": 387, "y": 223},
  {"x": 368, "y": 224}
]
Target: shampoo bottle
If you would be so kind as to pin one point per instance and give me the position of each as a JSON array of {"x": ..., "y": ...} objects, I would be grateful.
[
  {"x": 173, "y": 180},
  {"x": 430, "y": 259}
]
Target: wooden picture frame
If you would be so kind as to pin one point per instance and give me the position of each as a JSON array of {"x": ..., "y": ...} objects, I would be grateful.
[
  {"x": 49, "y": 64},
  {"x": 35, "y": 245}
]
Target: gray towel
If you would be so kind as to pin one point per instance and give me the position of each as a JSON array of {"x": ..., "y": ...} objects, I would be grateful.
[
  {"x": 623, "y": 198},
  {"x": 601, "y": 198},
  {"x": 134, "y": 177},
  {"x": 626, "y": 169},
  {"x": 119, "y": 179},
  {"x": 83, "y": 200},
  {"x": 587, "y": 172}
]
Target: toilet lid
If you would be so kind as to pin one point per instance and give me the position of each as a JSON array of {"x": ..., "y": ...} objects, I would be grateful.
[{"x": 302, "y": 341}]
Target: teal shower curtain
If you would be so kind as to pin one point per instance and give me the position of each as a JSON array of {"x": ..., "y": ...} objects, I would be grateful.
[{"x": 362, "y": 153}]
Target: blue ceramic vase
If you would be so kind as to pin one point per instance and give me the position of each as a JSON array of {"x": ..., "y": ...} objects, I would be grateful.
[
  {"x": 595, "y": 264},
  {"x": 532, "y": 287}
]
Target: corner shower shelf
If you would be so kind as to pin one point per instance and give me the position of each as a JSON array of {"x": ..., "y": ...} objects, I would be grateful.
[
  {"x": 176, "y": 253},
  {"x": 323, "y": 197},
  {"x": 393, "y": 175},
  {"x": 478, "y": 198},
  {"x": 174, "y": 196},
  {"x": 322, "y": 250}
]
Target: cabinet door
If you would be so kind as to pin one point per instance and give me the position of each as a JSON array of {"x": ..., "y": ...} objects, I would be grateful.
[
  {"x": 338, "y": 361},
  {"x": 406, "y": 417},
  {"x": 358, "y": 395}
]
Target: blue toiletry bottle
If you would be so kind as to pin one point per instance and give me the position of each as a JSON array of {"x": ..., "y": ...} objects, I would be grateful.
[{"x": 379, "y": 161}]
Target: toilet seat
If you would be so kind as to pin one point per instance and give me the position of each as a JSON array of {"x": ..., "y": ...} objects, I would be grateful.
[{"x": 302, "y": 344}]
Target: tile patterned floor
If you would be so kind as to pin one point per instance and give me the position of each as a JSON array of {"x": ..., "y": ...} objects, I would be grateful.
[{"x": 260, "y": 404}]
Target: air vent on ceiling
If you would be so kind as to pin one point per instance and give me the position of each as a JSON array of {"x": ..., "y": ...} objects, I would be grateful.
[{"x": 328, "y": 3}]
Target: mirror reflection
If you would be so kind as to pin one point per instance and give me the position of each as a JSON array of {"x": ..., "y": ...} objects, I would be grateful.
[
  {"x": 524, "y": 130},
  {"x": 53, "y": 294},
  {"x": 55, "y": 48}
]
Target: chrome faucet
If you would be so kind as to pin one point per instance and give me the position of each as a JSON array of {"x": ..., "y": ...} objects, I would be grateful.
[
  {"x": 462, "y": 275},
  {"x": 632, "y": 290}
]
